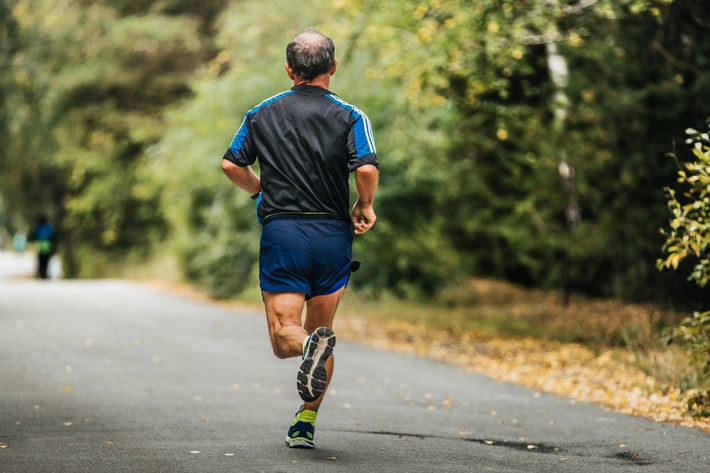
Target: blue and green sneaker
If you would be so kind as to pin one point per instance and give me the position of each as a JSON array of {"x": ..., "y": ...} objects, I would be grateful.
[
  {"x": 302, "y": 430},
  {"x": 312, "y": 376}
]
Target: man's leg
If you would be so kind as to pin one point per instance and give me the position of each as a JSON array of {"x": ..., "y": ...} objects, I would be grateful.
[
  {"x": 320, "y": 312},
  {"x": 283, "y": 315},
  {"x": 43, "y": 264}
]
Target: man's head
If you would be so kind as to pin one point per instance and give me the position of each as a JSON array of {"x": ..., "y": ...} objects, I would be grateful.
[{"x": 310, "y": 54}]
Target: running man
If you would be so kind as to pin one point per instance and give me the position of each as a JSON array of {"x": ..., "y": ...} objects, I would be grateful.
[{"x": 307, "y": 141}]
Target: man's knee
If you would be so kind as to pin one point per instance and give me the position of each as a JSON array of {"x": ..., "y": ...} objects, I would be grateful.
[
  {"x": 278, "y": 351},
  {"x": 283, "y": 342}
]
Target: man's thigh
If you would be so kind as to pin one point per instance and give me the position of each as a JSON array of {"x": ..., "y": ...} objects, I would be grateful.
[{"x": 283, "y": 316}]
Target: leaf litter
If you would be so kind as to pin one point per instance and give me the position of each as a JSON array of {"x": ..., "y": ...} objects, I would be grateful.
[{"x": 563, "y": 369}]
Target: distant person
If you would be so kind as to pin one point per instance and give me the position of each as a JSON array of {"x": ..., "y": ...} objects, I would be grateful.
[
  {"x": 44, "y": 237},
  {"x": 19, "y": 242},
  {"x": 307, "y": 141}
]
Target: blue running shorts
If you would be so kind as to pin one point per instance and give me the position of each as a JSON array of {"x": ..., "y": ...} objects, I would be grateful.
[{"x": 306, "y": 255}]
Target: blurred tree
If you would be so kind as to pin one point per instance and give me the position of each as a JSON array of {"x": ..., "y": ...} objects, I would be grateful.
[
  {"x": 8, "y": 49},
  {"x": 92, "y": 79},
  {"x": 688, "y": 238},
  {"x": 515, "y": 175}
]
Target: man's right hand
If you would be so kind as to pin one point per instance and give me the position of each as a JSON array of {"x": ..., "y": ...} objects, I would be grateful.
[
  {"x": 363, "y": 214},
  {"x": 363, "y": 218}
]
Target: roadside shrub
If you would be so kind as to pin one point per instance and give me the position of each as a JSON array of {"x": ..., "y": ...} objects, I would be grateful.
[{"x": 688, "y": 238}]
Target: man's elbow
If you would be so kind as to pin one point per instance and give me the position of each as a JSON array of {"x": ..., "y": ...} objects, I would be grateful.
[
  {"x": 367, "y": 170},
  {"x": 230, "y": 169}
]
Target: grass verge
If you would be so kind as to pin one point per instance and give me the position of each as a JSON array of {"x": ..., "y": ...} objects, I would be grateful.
[{"x": 602, "y": 351}]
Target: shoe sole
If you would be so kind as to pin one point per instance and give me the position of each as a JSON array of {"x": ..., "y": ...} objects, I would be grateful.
[
  {"x": 312, "y": 376},
  {"x": 299, "y": 443}
]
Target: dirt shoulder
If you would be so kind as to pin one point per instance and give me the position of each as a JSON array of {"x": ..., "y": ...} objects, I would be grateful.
[{"x": 563, "y": 369}]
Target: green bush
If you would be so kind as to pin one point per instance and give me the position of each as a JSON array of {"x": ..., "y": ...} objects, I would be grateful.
[
  {"x": 223, "y": 248},
  {"x": 689, "y": 239}
]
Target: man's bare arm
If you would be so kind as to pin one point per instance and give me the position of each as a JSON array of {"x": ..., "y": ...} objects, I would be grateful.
[
  {"x": 242, "y": 177},
  {"x": 363, "y": 214}
]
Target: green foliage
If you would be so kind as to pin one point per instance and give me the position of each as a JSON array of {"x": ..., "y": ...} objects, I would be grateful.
[
  {"x": 8, "y": 40},
  {"x": 224, "y": 249},
  {"x": 694, "y": 334},
  {"x": 473, "y": 121},
  {"x": 689, "y": 238},
  {"x": 504, "y": 200},
  {"x": 101, "y": 78},
  {"x": 689, "y": 233}
]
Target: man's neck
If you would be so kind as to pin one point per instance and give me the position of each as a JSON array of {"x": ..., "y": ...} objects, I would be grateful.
[{"x": 321, "y": 81}]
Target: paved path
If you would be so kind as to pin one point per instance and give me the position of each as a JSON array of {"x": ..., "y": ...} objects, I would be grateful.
[{"x": 110, "y": 376}]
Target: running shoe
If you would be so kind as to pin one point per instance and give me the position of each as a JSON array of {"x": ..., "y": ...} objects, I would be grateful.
[
  {"x": 312, "y": 376},
  {"x": 302, "y": 430}
]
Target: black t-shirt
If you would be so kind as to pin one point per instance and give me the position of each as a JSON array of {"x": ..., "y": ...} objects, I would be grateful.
[{"x": 307, "y": 141}]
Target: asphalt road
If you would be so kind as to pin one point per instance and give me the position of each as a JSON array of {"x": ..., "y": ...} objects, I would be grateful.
[{"x": 111, "y": 376}]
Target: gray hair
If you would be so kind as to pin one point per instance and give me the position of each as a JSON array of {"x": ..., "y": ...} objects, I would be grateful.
[{"x": 310, "y": 54}]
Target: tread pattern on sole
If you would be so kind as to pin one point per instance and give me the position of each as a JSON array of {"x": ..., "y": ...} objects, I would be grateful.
[{"x": 312, "y": 376}]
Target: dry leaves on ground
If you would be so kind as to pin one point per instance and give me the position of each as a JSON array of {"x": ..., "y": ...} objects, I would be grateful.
[{"x": 564, "y": 369}]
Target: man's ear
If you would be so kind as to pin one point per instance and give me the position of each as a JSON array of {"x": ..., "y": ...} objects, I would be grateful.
[
  {"x": 289, "y": 71},
  {"x": 335, "y": 66}
]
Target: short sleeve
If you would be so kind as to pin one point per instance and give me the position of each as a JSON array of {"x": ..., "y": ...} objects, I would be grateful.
[
  {"x": 240, "y": 150},
  {"x": 361, "y": 142}
]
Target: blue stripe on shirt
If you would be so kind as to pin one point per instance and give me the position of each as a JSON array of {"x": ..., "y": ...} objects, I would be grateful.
[
  {"x": 364, "y": 139},
  {"x": 241, "y": 135}
]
